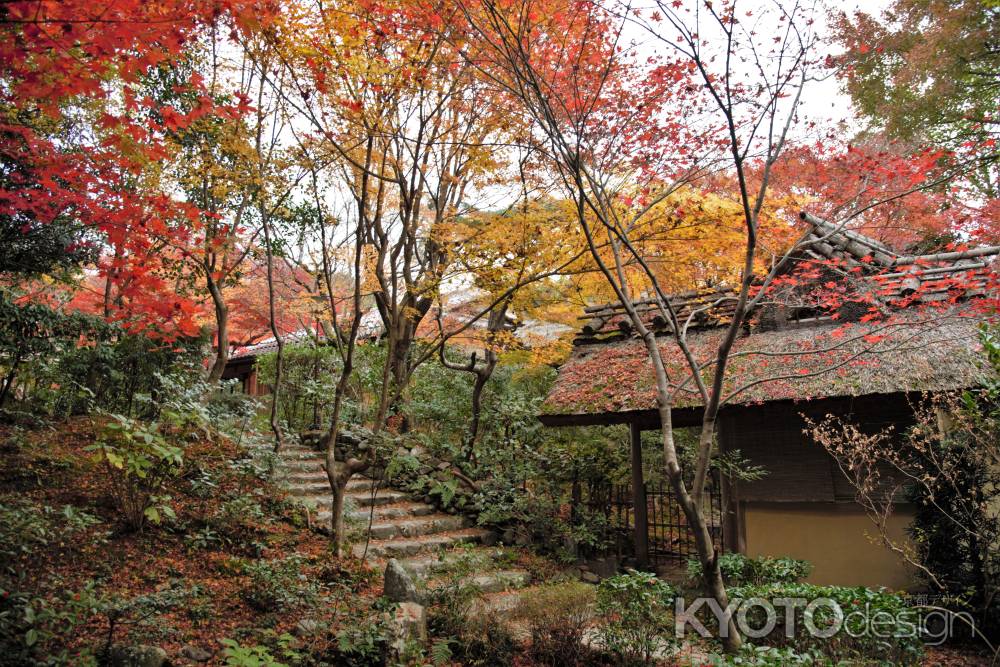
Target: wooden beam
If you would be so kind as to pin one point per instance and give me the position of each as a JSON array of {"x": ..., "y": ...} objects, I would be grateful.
[
  {"x": 733, "y": 536},
  {"x": 639, "y": 498}
]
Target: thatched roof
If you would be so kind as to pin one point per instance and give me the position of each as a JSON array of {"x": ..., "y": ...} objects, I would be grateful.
[
  {"x": 925, "y": 338},
  {"x": 802, "y": 363}
]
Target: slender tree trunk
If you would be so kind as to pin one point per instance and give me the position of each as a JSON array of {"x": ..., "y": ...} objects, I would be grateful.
[
  {"x": 279, "y": 361},
  {"x": 222, "y": 331},
  {"x": 707, "y": 553},
  {"x": 8, "y": 381},
  {"x": 482, "y": 378}
]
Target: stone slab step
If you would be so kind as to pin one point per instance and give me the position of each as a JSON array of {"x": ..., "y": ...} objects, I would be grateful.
[
  {"x": 384, "y": 496},
  {"x": 496, "y": 582},
  {"x": 321, "y": 486},
  {"x": 359, "y": 499},
  {"x": 403, "y": 547},
  {"x": 425, "y": 566},
  {"x": 294, "y": 448},
  {"x": 395, "y": 511},
  {"x": 302, "y": 464},
  {"x": 298, "y": 476},
  {"x": 418, "y": 526}
]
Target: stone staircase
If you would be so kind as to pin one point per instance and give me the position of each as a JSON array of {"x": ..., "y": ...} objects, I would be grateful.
[{"x": 424, "y": 540}]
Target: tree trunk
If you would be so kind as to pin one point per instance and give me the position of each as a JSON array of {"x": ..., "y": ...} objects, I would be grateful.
[
  {"x": 707, "y": 554},
  {"x": 338, "y": 485},
  {"x": 272, "y": 319},
  {"x": 222, "y": 332}
]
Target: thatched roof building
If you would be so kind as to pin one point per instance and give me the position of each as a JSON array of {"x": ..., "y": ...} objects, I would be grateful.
[
  {"x": 924, "y": 314},
  {"x": 895, "y": 325}
]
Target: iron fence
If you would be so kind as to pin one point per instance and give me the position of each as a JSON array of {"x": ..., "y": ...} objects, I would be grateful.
[{"x": 670, "y": 537}]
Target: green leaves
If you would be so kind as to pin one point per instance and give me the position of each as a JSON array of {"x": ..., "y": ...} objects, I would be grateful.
[
  {"x": 138, "y": 460},
  {"x": 635, "y": 607},
  {"x": 247, "y": 656}
]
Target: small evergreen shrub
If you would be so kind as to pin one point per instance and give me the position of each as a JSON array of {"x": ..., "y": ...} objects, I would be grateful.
[
  {"x": 138, "y": 461},
  {"x": 769, "y": 656},
  {"x": 276, "y": 585},
  {"x": 740, "y": 570},
  {"x": 876, "y": 624},
  {"x": 635, "y": 610}
]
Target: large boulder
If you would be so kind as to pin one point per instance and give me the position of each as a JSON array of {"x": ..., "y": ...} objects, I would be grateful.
[{"x": 399, "y": 586}]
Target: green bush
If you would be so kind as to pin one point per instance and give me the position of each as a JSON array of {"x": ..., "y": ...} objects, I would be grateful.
[
  {"x": 557, "y": 616},
  {"x": 237, "y": 655},
  {"x": 769, "y": 656},
  {"x": 138, "y": 461},
  {"x": 25, "y": 528},
  {"x": 276, "y": 585},
  {"x": 635, "y": 612},
  {"x": 740, "y": 570},
  {"x": 855, "y": 640}
]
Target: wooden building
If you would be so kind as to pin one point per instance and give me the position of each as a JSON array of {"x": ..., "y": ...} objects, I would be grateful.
[{"x": 794, "y": 363}]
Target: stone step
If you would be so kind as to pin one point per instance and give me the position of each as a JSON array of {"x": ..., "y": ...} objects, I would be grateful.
[
  {"x": 316, "y": 474},
  {"x": 403, "y": 547},
  {"x": 385, "y": 496},
  {"x": 425, "y": 566},
  {"x": 302, "y": 464},
  {"x": 361, "y": 498},
  {"x": 293, "y": 451},
  {"x": 395, "y": 511},
  {"x": 417, "y": 526},
  {"x": 322, "y": 487},
  {"x": 498, "y": 581}
]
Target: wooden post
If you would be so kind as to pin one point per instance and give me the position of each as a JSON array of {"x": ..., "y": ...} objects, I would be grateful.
[
  {"x": 639, "y": 498},
  {"x": 733, "y": 540}
]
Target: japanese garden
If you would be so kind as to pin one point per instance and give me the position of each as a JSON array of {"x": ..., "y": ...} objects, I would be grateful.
[{"x": 499, "y": 332}]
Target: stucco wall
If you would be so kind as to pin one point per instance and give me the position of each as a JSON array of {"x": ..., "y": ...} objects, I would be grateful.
[{"x": 835, "y": 537}]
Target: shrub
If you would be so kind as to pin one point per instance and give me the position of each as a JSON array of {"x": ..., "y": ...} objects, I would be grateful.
[
  {"x": 557, "y": 617},
  {"x": 740, "y": 570},
  {"x": 768, "y": 656},
  {"x": 635, "y": 610},
  {"x": 138, "y": 461},
  {"x": 861, "y": 607},
  {"x": 24, "y": 527},
  {"x": 473, "y": 636},
  {"x": 277, "y": 585},
  {"x": 237, "y": 655}
]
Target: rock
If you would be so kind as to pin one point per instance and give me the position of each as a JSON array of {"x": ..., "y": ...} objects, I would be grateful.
[
  {"x": 605, "y": 567},
  {"x": 589, "y": 577},
  {"x": 196, "y": 653},
  {"x": 509, "y": 535},
  {"x": 418, "y": 451},
  {"x": 398, "y": 586},
  {"x": 406, "y": 625},
  {"x": 307, "y": 627},
  {"x": 312, "y": 439},
  {"x": 444, "y": 465},
  {"x": 137, "y": 656}
]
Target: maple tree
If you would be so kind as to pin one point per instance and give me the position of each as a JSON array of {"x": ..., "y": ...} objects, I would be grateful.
[
  {"x": 925, "y": 71},
  {"x": 67, "y": 63}
]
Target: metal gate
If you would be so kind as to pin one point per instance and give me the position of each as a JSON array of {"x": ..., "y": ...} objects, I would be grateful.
[{"x": 670, "y": 538}]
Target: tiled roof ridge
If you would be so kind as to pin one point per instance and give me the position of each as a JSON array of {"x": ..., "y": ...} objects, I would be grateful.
[{"x": 825, "y": 241}]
